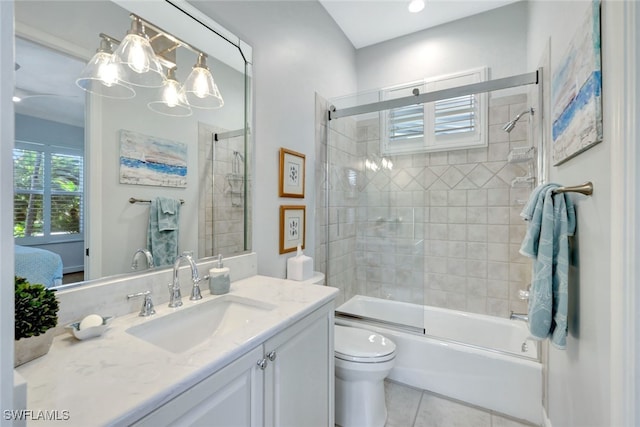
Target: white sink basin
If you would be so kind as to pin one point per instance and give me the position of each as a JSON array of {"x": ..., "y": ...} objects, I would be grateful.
[{"x": 192, "y": 325}]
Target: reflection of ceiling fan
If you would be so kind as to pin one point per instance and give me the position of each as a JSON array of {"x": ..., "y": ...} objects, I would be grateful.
[{"x": 20, "y": 94}]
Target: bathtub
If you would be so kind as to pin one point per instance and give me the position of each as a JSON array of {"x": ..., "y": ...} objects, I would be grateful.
[{"x": 481, "y": 360}]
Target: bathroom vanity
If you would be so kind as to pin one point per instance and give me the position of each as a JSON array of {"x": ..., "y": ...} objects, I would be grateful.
[{"x": 261, "y": 355}]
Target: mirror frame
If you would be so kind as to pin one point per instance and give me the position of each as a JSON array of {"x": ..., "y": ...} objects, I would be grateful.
[{"x": 190, "y": 24}]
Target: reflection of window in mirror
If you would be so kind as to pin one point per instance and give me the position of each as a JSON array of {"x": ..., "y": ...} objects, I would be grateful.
[{"x": 49, "y": 165}]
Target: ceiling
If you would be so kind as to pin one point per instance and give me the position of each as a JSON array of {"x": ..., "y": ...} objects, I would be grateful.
[{"x": 367, "y": 22}]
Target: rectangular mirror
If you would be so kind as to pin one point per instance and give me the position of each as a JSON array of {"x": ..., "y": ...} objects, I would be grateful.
[{"x": 92, "y": 151}]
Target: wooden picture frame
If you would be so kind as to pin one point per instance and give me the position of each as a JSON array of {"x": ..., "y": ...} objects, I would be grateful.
[
  {"x": 292, "y": 228},
  {"x": 292, "y": 173}
]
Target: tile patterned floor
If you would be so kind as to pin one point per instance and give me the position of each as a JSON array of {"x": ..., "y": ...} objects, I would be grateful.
[{"x": 409, "y": 407}]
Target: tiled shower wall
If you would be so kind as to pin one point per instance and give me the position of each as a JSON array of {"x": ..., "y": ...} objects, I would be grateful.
[
  {"x": 221, "y": 213},
  {"x": 336, "y": 226},
  {"x": 441, "y": 228}
]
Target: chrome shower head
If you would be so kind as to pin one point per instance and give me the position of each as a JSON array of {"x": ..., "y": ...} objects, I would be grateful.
[{"x": 508, "y": 127}]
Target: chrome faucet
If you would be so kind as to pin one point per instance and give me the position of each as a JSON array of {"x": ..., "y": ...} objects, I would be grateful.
[
  {"x": 175, "y": 297},
  {"x": 148, "y": 256},
  {"x": 519, "y": 316}
]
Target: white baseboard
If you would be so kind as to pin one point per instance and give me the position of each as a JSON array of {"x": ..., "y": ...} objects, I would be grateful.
[{"x": 546, "y": 422}]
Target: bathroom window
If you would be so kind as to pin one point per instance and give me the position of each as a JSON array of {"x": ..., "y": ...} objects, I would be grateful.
[
  {"x": 447, "y": 124},
  {"x": 48, "y": 193}
]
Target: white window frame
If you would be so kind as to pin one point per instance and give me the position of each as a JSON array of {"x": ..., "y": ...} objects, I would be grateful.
[
  {"x": 429, "y": 141},
  {"x": 48, "y": 236}
]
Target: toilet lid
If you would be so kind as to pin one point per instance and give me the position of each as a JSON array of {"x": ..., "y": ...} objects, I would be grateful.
[{"x": 360, "y": 345}]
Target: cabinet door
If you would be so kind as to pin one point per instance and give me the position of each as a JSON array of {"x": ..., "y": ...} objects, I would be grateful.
[
  {"x": 231, "y": 397},
  {"x": 299, "y": 380}
]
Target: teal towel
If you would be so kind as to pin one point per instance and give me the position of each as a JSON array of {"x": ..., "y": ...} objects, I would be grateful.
[
  {"x": 168, "y": 214},
  {"x": 163, "y": 232},
  {"x": 552, "y": 220}
]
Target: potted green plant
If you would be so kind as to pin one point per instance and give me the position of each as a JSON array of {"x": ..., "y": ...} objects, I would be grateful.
[{"x": 36, "y": 314}]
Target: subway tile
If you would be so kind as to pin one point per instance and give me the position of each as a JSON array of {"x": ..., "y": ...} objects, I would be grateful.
[
  {"x": 497, "y": 307},
  {"x": 456, "y": 267},
  {"x": 477, "y": 268},
  {"x": 498, "y": 289},
  {"x": 497, "y": 197},
  {"x": 476, "y": 215},
  {"x": 477, "y": 251},
  {"x": 457, "y": 215},
  {"x": 498, "y": 270},
  {"x": 498, "y": 233},
  {"x": 438, "y": 197},
  {"x": 457, "y": 249},
  {"x": 480, "y": 175},
  {"x": 457, "y": 198},
  {"x": 476, "y": 304},
  {"x": 498, "y": 151},
  {"x": 499, "y": 115},
  {"x": 498, "y": 215},
  {"x": 456, "y": 284},
  {"x": 498, "y": 252},
  {"x": 477, "y": 197},
  {"x": 456, "y": 232},
  {"x": 476, "y": 233}
]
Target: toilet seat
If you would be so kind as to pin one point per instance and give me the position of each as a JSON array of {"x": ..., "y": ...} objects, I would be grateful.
[{"x": 362, "y": 346}]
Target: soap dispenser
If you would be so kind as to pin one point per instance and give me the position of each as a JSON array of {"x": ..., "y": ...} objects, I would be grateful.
[{"x": 219, "y": 279}]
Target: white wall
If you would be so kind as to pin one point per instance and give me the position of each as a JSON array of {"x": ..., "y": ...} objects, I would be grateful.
[
  {"x": 578, "y": 378},
  {"x": 6, "y": 207},
  {"x": 298, "y": 50},
  {"x": 496, "y": 39}
]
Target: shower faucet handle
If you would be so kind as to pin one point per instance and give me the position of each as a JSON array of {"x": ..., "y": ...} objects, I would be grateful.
[{"x": 524, "y": 295}]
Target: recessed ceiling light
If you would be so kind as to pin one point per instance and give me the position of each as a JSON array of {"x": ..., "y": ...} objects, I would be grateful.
[
  {"x": 416, "y": 6},
  {"x": 16, "y": 99}
]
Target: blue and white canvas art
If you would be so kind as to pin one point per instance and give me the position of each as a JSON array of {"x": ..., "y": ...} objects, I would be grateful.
[
  {"x": 576, "y": 92},
  {"x": 148, "y": 160}
]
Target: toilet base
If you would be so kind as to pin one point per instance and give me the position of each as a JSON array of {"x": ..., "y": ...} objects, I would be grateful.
[{"x": 360, "y": 403}]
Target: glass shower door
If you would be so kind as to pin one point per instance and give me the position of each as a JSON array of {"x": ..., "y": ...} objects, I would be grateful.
[{"x": 375, "y": 233}]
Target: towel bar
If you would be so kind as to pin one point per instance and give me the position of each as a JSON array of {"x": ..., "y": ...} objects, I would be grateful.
[
  {"x": 134, "y": 200},
  {"x": 586, "y": 189}
]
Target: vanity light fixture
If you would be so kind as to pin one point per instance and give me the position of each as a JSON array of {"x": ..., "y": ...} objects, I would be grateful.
[
  {"x": 199, "y": 89},
  {"x": 140, "y": 64},
  {"x": 102, "y": 75},
  {"x": 171, "y": 100},
  {"x": 416, "y": 6}
]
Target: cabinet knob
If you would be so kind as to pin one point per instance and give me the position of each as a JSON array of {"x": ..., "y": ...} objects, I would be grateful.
[
  {"x": 262, "y": 364},
  {"x": 271, "y": 355}
]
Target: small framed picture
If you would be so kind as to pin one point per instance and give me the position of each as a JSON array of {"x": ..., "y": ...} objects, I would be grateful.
[
  {"x": 292, "y": 223},
  {"x": 291, "y": 174}
]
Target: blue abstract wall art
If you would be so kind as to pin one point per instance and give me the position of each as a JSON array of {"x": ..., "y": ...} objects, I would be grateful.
[
  {"x": 148, "y": 160},
  {"x": 576, "y": 92}
]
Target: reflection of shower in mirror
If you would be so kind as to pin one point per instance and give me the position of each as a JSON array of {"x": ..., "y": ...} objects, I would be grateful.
[{"x": 236, "y": 179}]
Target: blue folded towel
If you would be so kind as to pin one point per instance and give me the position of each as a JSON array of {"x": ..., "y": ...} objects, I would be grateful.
[
  {"x": 163, "y": 232},
  {"x": 168, "y": 214},
  {"x": 552, "y": 220}
]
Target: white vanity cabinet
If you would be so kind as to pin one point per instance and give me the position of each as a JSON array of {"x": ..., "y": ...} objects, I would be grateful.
[
  {"x": 299, "y": 377},
  {"x": 285, "y": 382}
]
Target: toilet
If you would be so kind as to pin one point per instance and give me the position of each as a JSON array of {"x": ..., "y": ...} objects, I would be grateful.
[{"x": 363, "y": 359}]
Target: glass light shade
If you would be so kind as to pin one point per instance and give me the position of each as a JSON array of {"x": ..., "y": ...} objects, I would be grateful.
[
  {"x": 170, "y": 100},
  {"x": 140, "y": 64},
  {"x": 103, "y": 77},
  {"x": 416, "y": 6},
  {"x": 200, "y": 90}
]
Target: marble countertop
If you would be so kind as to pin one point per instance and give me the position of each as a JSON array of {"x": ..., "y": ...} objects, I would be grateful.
[{"x": 117, "y": 378}]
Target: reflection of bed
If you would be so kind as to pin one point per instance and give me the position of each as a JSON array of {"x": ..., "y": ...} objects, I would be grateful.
[{"x": 38, "y": 266}]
